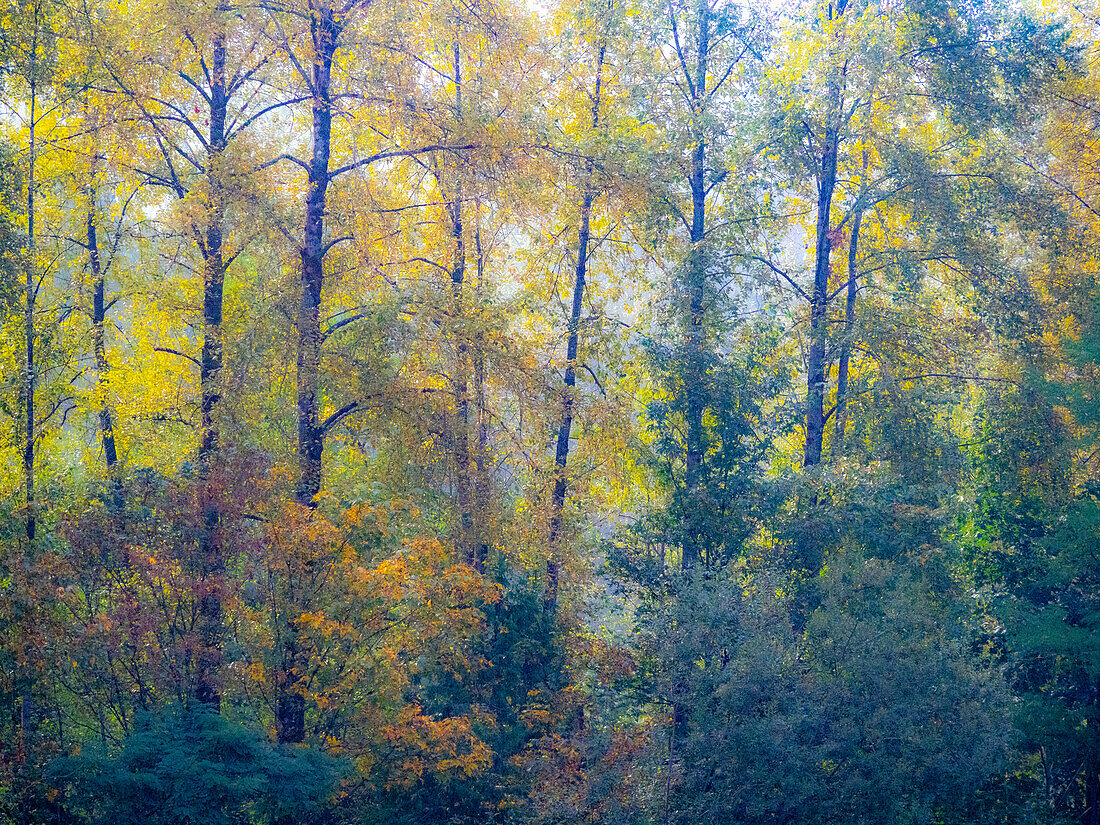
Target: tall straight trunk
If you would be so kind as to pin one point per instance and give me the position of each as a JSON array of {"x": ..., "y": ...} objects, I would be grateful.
[
  {"x": 568, "y": 398},
  {"x": 211, "y": 634},
  {"x": 818, "y": 355},
  {"x": 460, "y": 372},
  {"x": 817, "y": 360},
  {"x": 481, "y": 454},
  {"x": 99, "y": 318},
  {"x": 27, "y": 718},
  {"x": 695, "y": 377},
  {"x": 28, "y": 320},
  {"x": 849, "y": 330},
  {"x": 460, "y": 376},
  {"x": 841, "y": 423},
  {"x": 325, "y": 31},
  {"x": 213, "y": 256}
]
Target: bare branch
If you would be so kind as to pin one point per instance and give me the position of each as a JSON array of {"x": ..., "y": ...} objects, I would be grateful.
[
  {"x": 170, "y": 351},
  {"x": 338, "y": 416}
]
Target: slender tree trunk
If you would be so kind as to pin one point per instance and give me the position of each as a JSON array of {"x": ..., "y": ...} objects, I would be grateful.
[
  {"x": 27, "y": 724},
  {"x": 325, "y": 30},
  {"x": 481, "y": 455},
  {"x": 214, "y": 256},
  {"x": 568, "y": 397},
  {"x": 211, "y": 633},
  {"x": 561, "y": 452},
  {"x": 849, "y": 331},
  {"x": 818, "y": 355},
  {"x": 29, "y": 378},
  {"x": 461, "y": 380},
  {"x": 99, "y": 317},
  {"x": 695, "y": 377},
  {"x": 460, "y": 372}
]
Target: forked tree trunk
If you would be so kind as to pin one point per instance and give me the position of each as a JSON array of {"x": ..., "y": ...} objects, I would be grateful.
[{"x": 817, "y": 361}]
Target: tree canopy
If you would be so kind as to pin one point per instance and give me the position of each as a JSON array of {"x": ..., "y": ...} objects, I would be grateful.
[{"x": 595, "y": 411}]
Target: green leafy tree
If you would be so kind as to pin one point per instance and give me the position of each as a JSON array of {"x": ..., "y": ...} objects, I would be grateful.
[{"x": 187, "y": 766}]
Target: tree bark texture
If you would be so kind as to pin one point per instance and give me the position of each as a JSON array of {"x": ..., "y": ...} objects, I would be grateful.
[
  {"x": 849, "y": 330},
  {"x": 482, "y": 492},
  {"x": 465, "y": 543},
  {"x": 325, "y": 31},
  {"x": 28, "y": 319},
  {"x": 99, "y": 318}
]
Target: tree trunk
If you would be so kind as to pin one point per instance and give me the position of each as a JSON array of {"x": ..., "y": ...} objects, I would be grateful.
[
  {"x": 213, "y": 257},
  {"x": 695, "y": 377},
  {"x": 29, "y": 378},
  {"x": 211, "y": 641},
  {"x": 460, "y": 372},
  {"x": 481, "y": 455},
  {"x": 561, "y": 453},
  {"x": 325, "y": 31},
  {"x": 99, "y": 317},
  {"x": 816, "y": 362},
  {"x": 849, "y": 331}
]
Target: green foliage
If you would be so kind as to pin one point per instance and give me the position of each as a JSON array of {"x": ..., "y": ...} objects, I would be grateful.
[
  {"x": 190, "y": 766},
  {"x": 902, "y": 632},
  {"x": 871, "y": 712},
  {"x": 728, "y": 504},
  {"x": 513, "y": 666}
]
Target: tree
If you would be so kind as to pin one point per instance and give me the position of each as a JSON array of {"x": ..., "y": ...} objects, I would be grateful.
[
  {"x": 604, "y": 26},
  {"x": 188, "y": 765},
  {"x": 871, "y": 711},
  {"x": 860, "y": 72},
  {"x": 30, "y": 69},
  {"x": 706, "y": 43},
  {"x": 202, "y": 160}
]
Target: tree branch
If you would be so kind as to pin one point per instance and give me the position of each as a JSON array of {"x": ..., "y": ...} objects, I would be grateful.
[
  {"x": 170, "y": 351},
  {"x": 338, "y": 416}
]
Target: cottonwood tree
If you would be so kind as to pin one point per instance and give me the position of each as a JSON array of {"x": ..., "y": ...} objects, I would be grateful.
[
  {"x": 317, "y": 40},
  {"x": 850, "y": 73},
  {"x": 199, "y": 112}
]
